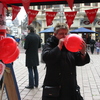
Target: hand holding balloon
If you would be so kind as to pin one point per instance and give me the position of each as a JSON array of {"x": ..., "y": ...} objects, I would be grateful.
[
  {"x": 83, "y": 50},
  {"x": 75, "y": 43},
  {"x": 61, "y": 43}
]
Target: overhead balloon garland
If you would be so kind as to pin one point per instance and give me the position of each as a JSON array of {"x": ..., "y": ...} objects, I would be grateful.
[{"x": 91, "y": 14}]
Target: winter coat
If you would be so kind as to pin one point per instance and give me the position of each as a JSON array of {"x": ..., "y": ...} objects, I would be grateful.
[
  {"x": 32, "y": 43},
  {"x": 92, "y": 43},
  {"x": 61, "y": 68}
]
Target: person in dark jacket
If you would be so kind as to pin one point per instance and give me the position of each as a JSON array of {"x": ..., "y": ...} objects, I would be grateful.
[
  {"x": 61, "y": 67},
  {"x": 92, "y": 45},
  {"x": 32, "y": 43}
]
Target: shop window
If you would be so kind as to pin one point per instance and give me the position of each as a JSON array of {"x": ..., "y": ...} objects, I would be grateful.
[
  {"x": 73, "y": 28},
  {"x": 98, "y": 33}
]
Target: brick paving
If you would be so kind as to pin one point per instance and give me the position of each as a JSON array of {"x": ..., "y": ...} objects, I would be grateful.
[{"x": 88, "y": 77}]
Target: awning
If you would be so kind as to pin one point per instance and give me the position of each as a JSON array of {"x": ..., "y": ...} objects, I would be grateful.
[
  {"x": 48, "y": 30},
  {"x": 82, "y": 30}
]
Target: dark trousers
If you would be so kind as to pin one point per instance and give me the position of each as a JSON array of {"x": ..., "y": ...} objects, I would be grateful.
[
  {"x": 33, "y": 79},
  {"x": 92, "y": 50}
]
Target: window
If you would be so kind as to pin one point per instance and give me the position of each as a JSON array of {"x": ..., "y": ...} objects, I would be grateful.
[
  {"x": 86, "y": 4},
  {"x": 95, "y": 4},
  {"x": 77, "y": 9},
  {"x": 43, "y": 7},
  {"x": 48, "y": 6},
  {"x": 32, "y": 7},
  {"x": 39, "y": 7},
  {"x": 56, "y": 6},
  {"x": 66, "y": 5},
  {"x": 56, "y": 10},
  {"x": 73, "y": 28}
]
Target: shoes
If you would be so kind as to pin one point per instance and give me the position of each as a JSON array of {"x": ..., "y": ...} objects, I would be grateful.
[
  {"x": 29, "y": 87},
  {"x": 0, "y": 87},
  {"x": 36, "y": 86}
]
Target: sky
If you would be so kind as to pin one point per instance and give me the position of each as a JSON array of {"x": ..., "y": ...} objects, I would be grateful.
[{"x": 21, "y": 14}]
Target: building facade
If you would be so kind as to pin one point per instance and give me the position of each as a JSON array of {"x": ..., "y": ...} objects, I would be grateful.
[{"x": 80, "y": 20}]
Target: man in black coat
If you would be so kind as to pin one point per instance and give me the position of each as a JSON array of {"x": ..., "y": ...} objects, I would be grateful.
[
  {"x": 60, "y": 81},
  {"x": 32, "y": 43}
]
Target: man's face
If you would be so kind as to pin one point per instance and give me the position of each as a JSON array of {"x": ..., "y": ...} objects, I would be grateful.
[
  {"x": 8, "y": 31},
  {"x": 61, "y": 33},
  {"x": 28, "y": 31}
]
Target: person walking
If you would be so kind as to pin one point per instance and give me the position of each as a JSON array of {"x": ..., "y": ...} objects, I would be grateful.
[
  {"x": 23, "y": 40},
  {"x": 60, "y": 81},
  {"x": 97, "y": 44},
  {"x": 92, "y": 45},
  {"x": 32, "y": 43}
]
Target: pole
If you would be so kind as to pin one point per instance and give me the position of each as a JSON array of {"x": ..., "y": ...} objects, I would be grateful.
[{"x": 61, "y": 13}]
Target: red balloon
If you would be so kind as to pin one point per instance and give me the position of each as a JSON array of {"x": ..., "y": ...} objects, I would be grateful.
[
  {"x": 7, "y": 50},
  {"x": 11, "y": 58},
  {"x": 73, "y": 42},
  {"x": 7, "y": 41},
  {"x": 7, "y": 47}
]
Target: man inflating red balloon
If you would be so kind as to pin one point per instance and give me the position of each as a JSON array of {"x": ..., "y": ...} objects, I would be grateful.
[{"x": 62, "y": 53}]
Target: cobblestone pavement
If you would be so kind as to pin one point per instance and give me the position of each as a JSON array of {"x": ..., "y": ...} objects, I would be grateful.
[{"x": 88, "y": 77}]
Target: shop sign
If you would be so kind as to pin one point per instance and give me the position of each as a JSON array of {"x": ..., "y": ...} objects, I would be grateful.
[
  {"x": 98, "y": 22},
  {"x": 86, "y": 22}
]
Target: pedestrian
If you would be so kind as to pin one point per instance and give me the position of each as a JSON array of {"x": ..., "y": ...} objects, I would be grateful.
[
  {"x": 92, "y": 45},
  {"x": 23, "y": 40},
  {"x": 97, "y": 44},
  {"x": 32, "y": 43},
  {"x": 60, "y": 81},
  {"x": 8, "y": 33}
]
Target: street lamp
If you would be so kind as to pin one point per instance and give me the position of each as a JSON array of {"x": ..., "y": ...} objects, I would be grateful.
[{"x": 61, "y": 13}]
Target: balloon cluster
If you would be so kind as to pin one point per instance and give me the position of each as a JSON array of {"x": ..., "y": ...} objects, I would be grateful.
[
  {"x": 8, "y": 50},
  {"x": 73, "y": 42}
]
